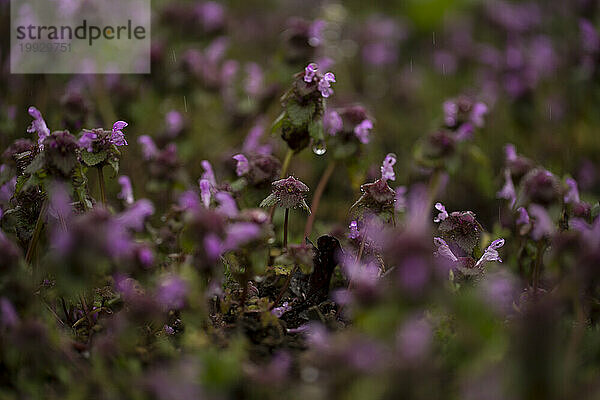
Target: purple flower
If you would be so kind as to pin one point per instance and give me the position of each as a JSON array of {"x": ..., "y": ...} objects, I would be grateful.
[
  {"x": 149, "y": 149},
  {"x": 310, "y": 72},
  {"x": 324, "y": 84},
  {"x": 86, "y": 141},
  {"x": 572, "y": 196},
  {"x": 590, "y": 233},
  {"x": 145, "y": 256},
  {"x": 126, "y": 286},
  {"x": 508, "y": 190},
  {"x": 400, "y": 201},
  {"x": 589, "y": 36},
  {"x": 464, "y": 132},
  {"x": 414, "y": 339},
  {"x": 354, "y": 234},
  {"x": 239, "y": 234},
  {"x": 242, "y": 167},
  {"x": 212, "y": 15},
  {"x": 174, "y": 121},
  {"x": 213, "y": 246},
  {"x": 38, "y": 125},
  {"x": 498, "y": 290},
  {"x": 9, "y": 316},
  {"x": 332, "y": 122},
  {"x": 251, "y": 143},
  {"x": 450, "y": 112},
  {"x": 118, "y": 137},
  {"x": 205, "y": 192},
  {"x": 60, "y": 205},
  {"x": 169, "y": 330},
  {"x": 189, "y": 200},
  {"x": 491, "y": 253},
  {"x": 227, "y": 204},
  {"x": 279, "y": 311},
  {"x": 315, "y": 32},
  {"x": 523, "y": 218},
  {"x": 126, "y": 193},
  {"x": 362, "y": 130},
  {"x": 255, "y": 79},
  {"x": 287, "y": 193},
  {"x": 135, "y": 216},
  {"x": 510, "y": 152},
  {"x": 542, "y": 225},
  {"x": 171, "y": 292},
  {"x": 443, "y": 214},
  {"x": 208, "y": 174},
  {"x": 363, "y": 276},
  {"x": 443, "y": 250},
  {"x": 477, "y": 114},
  {"x": 387, "y": 168}
]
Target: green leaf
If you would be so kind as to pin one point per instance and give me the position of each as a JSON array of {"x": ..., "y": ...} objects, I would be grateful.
[
  {"x": 300, "y": 115},
  {"x": 91, "y": 158},
  {"x": 64, "y": 163},
  {"x": 30, "y": 181},
  {"x": 36, "y": 164},
  {"x": 283, "y": 269},
  {"x": 315, "y": 130},
  {"x": 276, "y": 126},
  {"x": 114, "y": 164},
  {"x": 269, "y": 201}
]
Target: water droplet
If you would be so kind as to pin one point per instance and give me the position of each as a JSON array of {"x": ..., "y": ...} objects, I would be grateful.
[{"x": 319, "y": 148}]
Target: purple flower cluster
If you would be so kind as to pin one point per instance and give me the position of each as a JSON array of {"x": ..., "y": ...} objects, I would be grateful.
[{"x": 324, "y": 81}]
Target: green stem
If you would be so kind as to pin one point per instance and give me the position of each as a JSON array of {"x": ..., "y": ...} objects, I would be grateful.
[
  {"x": 285, "y": 228},
  {"x": 286, "y": 163},
  {"x": 317, "y": 197},
  {"x": 434, "y": 187},
  {"x": 37, "y": 231},
  {"x": 102, "y": 187}
]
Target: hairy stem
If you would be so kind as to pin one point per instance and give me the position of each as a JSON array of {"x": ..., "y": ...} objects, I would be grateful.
[
  {"x": 285, "y": 228},
  {"x": 317, "y": 197},
  {"x": 37, "y": 231},
  {"x": 102, "y": 187}
]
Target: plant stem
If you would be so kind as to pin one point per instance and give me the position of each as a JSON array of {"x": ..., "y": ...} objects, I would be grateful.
[
  {"x": 87, "y": 315},
  {"x": 284, "y": 169},
  {"x": 537, "y": 267},
  {"x": 102, "y": 187},
  {"x": 317, "y": 197},
  {"x": 361, "y": 250},
  {"x": 434, "y": 187},
  {"x": 37, "y": 231},
  {"x": 285, "y": 228},
  {"x": 286, "y": 163}
]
